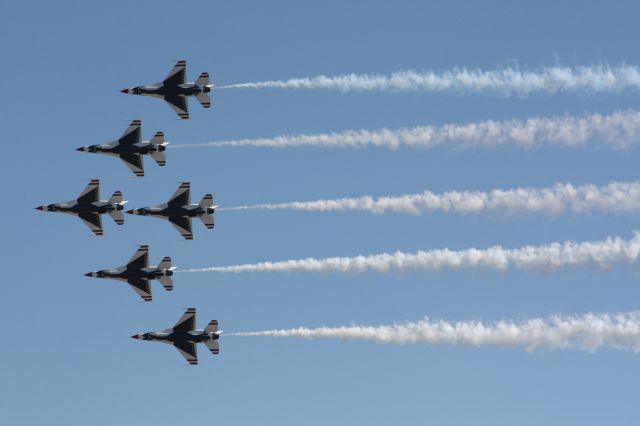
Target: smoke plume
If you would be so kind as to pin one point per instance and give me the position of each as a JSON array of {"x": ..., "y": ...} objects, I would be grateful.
[
  {"x": 544, "y": 258},
  {"x": 588, "y": 332},
  {"x": 616, "y": 197},
  {"x": 619, "y": 130}
]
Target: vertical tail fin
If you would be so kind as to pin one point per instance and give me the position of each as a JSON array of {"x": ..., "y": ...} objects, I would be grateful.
[
  {"x": 117, "y": 216},
  {"x": 159, "y": 157},
  {"x": 157, "y": 139},
  {"x": 203, "y": 80}
]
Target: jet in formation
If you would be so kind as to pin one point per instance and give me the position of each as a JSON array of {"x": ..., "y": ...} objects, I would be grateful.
[
  {"x": 179, "y": 210},
  {"x": 184, "y": 336},
  {"x": 131, "y": 149},
  {"x": 175, "y": 91},
  {"x": 137, "y": 273},
  {"x": 89, "y": 207}
]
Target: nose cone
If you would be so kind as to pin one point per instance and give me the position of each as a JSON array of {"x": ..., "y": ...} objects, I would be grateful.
[
  {"x": 82, "y": 149},
  {"x": 41, "y": 208},
  {"x": 131, "y": 211},
  {"x": 135, "y": 336},
  {"x": 125, "y": 90},
  {"x": 90, "y": 274}
]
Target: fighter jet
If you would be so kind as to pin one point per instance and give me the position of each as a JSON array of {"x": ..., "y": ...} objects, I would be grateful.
[
  {"x": 175, "y": 91},
  {"x": 179, "y": 210},
  {"x": 184, "y": 336},
  {"x": 137, "y": 273},
  {"x": 89, "y": 207},
  {"x": 131, "y": 149}
]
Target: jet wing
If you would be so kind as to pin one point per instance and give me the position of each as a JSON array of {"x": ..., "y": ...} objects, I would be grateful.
[
  {"x": 91, "y": 193},
  {"x": 134, "y": 162},
  {"x": 188, "y": 350},
  {"x": 177, "y": 75},
  {"x": 93, "y": 221},
  {"x": 182, "y": 225},
  {"x": 187, "y": 322},
  {"x": 141, "y": 287},
  {"x": 182, "y": 196},
  {"x": 140, "y": 258},
  {"x": 132, "y": 134},
  {"x": 179, "y": 104}
]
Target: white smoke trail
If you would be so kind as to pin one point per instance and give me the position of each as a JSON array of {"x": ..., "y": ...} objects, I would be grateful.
[
  {"x": 616, "y": 197},
  {"x": 547, "y": 258},
  {"x": 619, "y": 130},
  {"x": 588, "y": 332},
  {"x": 505, "y": 82}
]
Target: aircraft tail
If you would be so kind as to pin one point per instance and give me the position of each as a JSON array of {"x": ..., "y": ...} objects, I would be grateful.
[
  {"x": 157, "y": 139},
  {"x": 204, "y": 99},
  {"x": 207, "y": 201},
  {"x": 159, "y": 157},
  {"x": 165, "y": 266},
  {"x": 117, "y": 216},
  {"x": 116, "y": 198},
  {"x": 165, "y": 263},
  {"x": 214, "y": 346},
  {"x": 203, "y": 80},
  {"x": 212, "y": 327},
  {"x": 167, "y": 282}
]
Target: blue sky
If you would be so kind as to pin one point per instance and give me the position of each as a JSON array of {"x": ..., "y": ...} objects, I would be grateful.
[{"x": 67, "y": 358}]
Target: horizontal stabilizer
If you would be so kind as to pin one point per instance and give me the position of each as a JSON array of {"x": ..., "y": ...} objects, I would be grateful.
[
  {"x": 159, "y": 157},
  {"x": 116, "y": 198},
  {"x": 117, "y": 216},
  {"x": 165, "y": 263},
  {"x": 212, "y": 327},
  {"x": 207, "y": 201},
  {"x": 203, "y": 80},
  {"x": 214, "y": 346},
  {"x": 157, "y": 139},
  {"x": 204, "y": 99},
  {"x": 207, "y": 219},
  {"x": 167, "y": 283}
]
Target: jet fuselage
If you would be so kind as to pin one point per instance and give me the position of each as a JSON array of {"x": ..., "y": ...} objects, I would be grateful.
[
  {"x": 74, "y": 207},
  {"x": 192, "y": 210},
  {"x": 195, "y": 336},
  {"x": 187, "y": 89},
  {"x": 123, "y": 273},
  {"x": 141, "y": 148}
]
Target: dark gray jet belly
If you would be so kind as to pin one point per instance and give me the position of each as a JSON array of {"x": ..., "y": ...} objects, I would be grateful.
[
  {"x": 179, "y": 210},
  {"x": 184, "y": 336},
  {"x": 131, "y": 149},
  {"x": 89, "y": 207},
  {"x": 137, "y": 273},
  {"x": 175, "y": 91}
]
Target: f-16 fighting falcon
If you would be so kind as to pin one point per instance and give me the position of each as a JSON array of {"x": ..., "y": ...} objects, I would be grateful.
[
  {"x": 137, "y": 273},
  {"x": 184, "y": 336},
  {"x": 175, "y": 91},
  {"x": 131, "y": 149},
  {"x": 179, "y": 210},
  {"x": 89, "y": 207}
]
